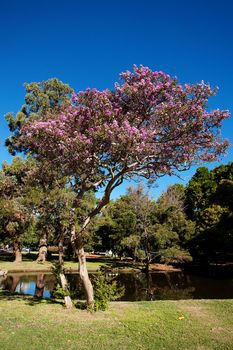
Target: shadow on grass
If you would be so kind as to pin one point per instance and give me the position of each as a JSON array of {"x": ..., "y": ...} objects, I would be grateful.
[
  {"x": 7, "y": 258},
  {"x": 28, "y": 299},
  {"x": 33, "y": 301}
]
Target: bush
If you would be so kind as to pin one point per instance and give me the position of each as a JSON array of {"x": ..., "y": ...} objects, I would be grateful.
[{"x": 105, "y": 290}]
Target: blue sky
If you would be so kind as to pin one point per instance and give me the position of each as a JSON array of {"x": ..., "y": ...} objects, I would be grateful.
[{"x": 88, "y": 43}]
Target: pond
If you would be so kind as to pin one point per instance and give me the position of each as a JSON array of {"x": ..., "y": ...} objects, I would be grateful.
[{"x": 138, "y": 286}]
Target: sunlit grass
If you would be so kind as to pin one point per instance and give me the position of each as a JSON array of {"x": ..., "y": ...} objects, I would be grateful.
[
  {"x": 34, "y": 266},
  {"x": 28, "y": 324}
]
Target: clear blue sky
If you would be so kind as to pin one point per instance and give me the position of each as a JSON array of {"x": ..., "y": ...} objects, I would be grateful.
[{"x": 88, "y": 43}]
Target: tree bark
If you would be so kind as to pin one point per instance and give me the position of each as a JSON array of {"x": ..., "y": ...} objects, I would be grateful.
[
  {"x": 63, "y": 280},
  {"x": 84, "y": 275},
  {"x": 73, "y": 232},
  {"x": 17, "y": 251},
  {"x": 42, "y": 249},
  {"x": 67, "y": 299},
  {"x": 77, "y": 242},
  {"x": 61, "y": 252},
  {"x": 147, "y": 268}
]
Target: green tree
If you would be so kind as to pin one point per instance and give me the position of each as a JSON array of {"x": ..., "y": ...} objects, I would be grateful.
[
  {"x": 209, "y": 197},
  {"x": 103, "y": 138},
  {"x": 15, "y": 216},
  {"x": 40, "y": 98},
  {"x": 199, "y": 191},
  {"x": 117, "y": 222},
  {"x": 146, "y": 229},
  {"x": 173, "y": 229}
]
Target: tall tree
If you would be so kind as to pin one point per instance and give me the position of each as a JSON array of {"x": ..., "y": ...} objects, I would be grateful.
[
  {"x": 126, "y": 224},
  {"x": 209, "y": 198},
  {"x": 39, "y": 99},
  {"x": 15, "y": 216},
  {"x": 173, "y": 230},
  {"x": 149, "y": 126},
  {"x": 142, "y": 238}
]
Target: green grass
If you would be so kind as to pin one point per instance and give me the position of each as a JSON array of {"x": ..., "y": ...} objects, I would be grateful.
[
  {"x": 25, "y": 266},
  {"x": 29, "y": 264},
  {"x": 29, "y": 324}
]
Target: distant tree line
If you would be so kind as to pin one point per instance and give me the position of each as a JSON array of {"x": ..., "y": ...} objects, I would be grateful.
[
  {"x": 184, "y": 223},
  {"x": 194, "y": 222}
]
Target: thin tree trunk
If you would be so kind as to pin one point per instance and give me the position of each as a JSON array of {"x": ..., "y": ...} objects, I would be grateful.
[
  {"x": 67, "y": 298},
  {"x": 83, "y": 268},
  {"x": 84, "y": 276},
  {"x": 61, "y": 252},
  {"x": 77, "y": 242},
  {"x": 150, "y": 290},
  {"x": 17, "y": 251},
  {"x": 77, "y": 245},
  {"x": 147, "y": 268},
  {"x": 134, "y": 255},
  {"x": 64, "y": 284},
  {"x": 42, "y": 249},
  {"x": 72, "y": 232}
]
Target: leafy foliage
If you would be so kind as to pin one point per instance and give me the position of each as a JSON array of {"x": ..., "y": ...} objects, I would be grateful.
[
  {"x": 40, "y": 98},
  {"x": 106, "y": 290},
  {"x": 145, "y": 229},
  {"x": 209, "y": 198},
  {"x": 15, "y": 215},
  {"x": 147, "y": 127},
  {"x": 59, "y": 291}
]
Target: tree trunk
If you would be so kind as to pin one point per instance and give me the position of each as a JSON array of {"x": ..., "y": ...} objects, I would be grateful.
[
  {"x": 77, "y": 245},
  {"x": 73, "y": 232},
  {"x": 76, "y": 240},
  {"x": 134, "y": 255},
  {"x": 17, "y": 251},
  {"x": 61, "y": 252},
  {"x": 42, "y": 249},
  {"x": 39, "y": 286},
  {"x": 64, "y": 284},
  {"x": 147, "y": 268},
  {"x": 67, "y": 299},
  {"x": 84, "y": 273}
]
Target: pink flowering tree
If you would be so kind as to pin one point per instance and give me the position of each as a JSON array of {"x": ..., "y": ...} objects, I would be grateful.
[{"x": 148, "y": 126}]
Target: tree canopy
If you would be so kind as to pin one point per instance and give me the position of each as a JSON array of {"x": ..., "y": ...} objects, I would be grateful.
[{"x": 148, "y": 126}]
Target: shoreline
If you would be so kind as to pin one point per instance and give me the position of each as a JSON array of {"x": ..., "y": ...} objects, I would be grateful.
[{"x": 16, "y": 268}]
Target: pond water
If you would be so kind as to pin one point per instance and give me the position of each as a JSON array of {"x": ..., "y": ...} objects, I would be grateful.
[{"x": 138, "y": 286}]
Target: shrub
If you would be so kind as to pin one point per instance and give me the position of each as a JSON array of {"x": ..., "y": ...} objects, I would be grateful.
[
  {"x": 106, "y": 289},
  {"x": 59, "y": 292}
]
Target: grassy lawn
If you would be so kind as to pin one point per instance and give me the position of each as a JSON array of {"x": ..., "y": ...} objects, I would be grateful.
[
  {"x": 29, "y": 324},
  {"x": 30, "y": 265},
  {"x": 34, "y": 266}
]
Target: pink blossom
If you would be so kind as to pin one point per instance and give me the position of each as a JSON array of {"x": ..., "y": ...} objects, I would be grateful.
[{"x": 149, "y": 125}]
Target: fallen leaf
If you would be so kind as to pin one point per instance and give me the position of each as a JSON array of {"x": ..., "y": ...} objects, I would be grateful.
[{"x": 181, "y": 318}]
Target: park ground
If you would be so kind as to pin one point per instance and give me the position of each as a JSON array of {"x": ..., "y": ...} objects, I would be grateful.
[
  {"x": 94, "y": 263},
  {"x": 30, "y": 323},
  {"x": 27, "y": 323}
]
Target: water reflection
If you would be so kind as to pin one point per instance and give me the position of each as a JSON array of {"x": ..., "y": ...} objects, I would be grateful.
[
  {"x": 138, "y": 286},
  {"x": 39, "y": 285}
]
